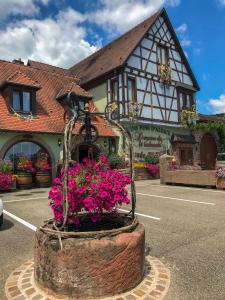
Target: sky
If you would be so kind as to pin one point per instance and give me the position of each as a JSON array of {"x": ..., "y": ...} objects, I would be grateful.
[{"x": 62, "y": 32}]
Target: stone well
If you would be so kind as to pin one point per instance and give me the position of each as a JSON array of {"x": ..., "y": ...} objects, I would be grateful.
[{"x": 93, "y": 266}]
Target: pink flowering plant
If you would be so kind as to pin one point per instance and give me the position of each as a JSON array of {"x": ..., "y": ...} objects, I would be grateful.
[
  {"x": 5, "y": 174},
  {"x": 24, "y": 163},
  {"x": 5, "y": 181},
  {"x": 152, "y": 168},
  {"x": 94, "y": 189}
]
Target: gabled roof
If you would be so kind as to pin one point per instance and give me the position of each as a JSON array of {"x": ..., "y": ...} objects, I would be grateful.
[
  {"x": 49, "y": 112},
  {"x": 74, "y": 88},
  {"x": 19, "y": 78},
  {"x": 47, "y": 67},
  {"x": 114, "y": 55}
]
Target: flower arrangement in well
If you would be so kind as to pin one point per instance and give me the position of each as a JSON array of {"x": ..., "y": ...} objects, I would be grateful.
[
  {"x": 93, "y": 189},
  {"x": 42, "y": 163},
  {"x": 24, "y": 163}
]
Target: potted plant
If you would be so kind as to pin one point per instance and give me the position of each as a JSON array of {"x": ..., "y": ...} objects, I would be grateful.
[
  {"x": 116, "y": 161},
  {"x": 220, "y": 178},
  {"x": 42, "y": 176},
  {"x": 6, "y": 177},
  {"x": 24, "y": 167},
  {"x": 152, "y": 165}
]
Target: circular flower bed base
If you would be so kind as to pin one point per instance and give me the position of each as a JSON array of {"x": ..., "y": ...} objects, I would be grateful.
[{"x": 91, "y": 263}]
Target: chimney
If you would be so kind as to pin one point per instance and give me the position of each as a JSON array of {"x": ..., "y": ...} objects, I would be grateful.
[{"x": 18, "y": 61}]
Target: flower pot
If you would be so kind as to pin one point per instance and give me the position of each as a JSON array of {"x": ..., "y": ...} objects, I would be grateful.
[
  {"x": 220, "y": 183},
  {"x": 43, "y": 179},
  {"x": 24, "y": 180}
]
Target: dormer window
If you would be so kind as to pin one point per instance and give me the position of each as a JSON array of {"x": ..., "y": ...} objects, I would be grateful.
[{"x": 21, "y": 101}]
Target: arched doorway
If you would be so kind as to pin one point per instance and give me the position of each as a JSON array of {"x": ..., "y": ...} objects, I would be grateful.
[
  {"x": 27, "y": 147},
  {"x": 82, "y": 151},
  {"x": 208, "y": 152}
]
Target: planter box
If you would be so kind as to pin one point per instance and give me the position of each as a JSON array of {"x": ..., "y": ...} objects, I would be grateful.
[
  {"x": 220, "y": 183},
  {"x": 191, "y": 177}
]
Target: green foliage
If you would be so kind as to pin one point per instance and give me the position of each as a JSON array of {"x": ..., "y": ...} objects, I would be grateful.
[
  {"x": 5, "y": 166},
  {"x": 152, "y": 158},
  {"x": 219, "y": 127},
  {"x": 115, "y": 159}
]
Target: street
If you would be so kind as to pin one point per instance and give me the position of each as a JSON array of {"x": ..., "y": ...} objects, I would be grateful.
[{"x": 184, "y": 229}]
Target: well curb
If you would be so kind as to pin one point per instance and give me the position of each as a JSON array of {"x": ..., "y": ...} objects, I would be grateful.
[{"x": 20, "y": 284}]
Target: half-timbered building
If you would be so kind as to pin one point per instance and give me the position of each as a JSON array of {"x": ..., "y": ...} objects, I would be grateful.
[{"x": 148, "y": 66}]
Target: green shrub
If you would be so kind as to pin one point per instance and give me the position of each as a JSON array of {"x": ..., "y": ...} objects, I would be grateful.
[
  {"x": 115, "y": 159},
  {"x": 152, "y": 158}
]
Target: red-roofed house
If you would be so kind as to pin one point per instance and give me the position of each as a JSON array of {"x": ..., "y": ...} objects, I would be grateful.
[{"x": 32, "y": 114}]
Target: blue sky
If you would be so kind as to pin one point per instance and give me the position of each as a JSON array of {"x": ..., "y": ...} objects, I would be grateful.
[{"x": 62, "y": 32}]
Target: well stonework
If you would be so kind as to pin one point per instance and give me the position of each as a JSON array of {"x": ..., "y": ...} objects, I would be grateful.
[{"x": 90, "y": 267}]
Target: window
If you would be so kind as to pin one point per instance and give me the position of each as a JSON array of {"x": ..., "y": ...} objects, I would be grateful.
[
  {"x": 162, "y": 55},
  {"x": 186, "y": 100},
  {"x": 31, "y": 149},
  {"x": 131, "y": 89},
  {"x": 21, "y": 101},
  {"x": 114, "y": 90},
  {"x": 186, "y": 156}
]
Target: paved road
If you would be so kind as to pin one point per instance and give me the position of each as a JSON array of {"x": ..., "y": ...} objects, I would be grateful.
[{"x": 184, "y": 229}]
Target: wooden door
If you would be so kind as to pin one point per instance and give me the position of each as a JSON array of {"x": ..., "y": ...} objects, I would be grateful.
[{"x": 208, "y": 152}]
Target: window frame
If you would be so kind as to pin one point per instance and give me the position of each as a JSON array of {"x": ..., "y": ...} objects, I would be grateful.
[
  {"x": 22, "y": 90},
  {"x": 134, "y": 89},
  {"x": 114, "y": 81},
  {"x": 186, "y": 93},
  {"x": 159, "y": 59}
]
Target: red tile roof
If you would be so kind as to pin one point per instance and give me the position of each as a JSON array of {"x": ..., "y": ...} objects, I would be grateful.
[
  {"x": 22, "y": 79},
  {"x": 72, "y": 87},
  {"x": 49, "y": 118},
  {"x": 47, "y": 67}
]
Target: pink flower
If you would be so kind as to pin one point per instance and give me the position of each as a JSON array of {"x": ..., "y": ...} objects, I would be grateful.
[{"x": 57, "y": 180}]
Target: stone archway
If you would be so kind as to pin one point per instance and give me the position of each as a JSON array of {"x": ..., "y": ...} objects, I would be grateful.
[
  {"x": 31, "y": 139},
  {"x": 208, "y": 152}
]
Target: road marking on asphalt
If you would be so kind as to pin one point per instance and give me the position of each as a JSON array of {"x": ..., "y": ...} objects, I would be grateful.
[
  {"x": 25, "y": 223},
  {"x": 24, "y": 199},
  {"x": 177, "y": 199},
  {"x": 142, "y": 215},
  {"x": 186, "y": 188}
]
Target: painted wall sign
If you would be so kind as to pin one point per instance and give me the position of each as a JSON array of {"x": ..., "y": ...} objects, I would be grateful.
[{"x": 149, "y": 139}]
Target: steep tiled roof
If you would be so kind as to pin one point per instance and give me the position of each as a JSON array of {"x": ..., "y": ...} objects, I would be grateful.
[
  {"x": 112, "y": 55},
  {"x": 72, "y": 87},
  {"x": 49, "y": 118},
  {"x": 47, "y": 67},
  {"x": 22, "y": 79}
]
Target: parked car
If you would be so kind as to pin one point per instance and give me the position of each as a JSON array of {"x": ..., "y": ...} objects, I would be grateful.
[
  {"x": 220, "y": 160},
  {"x": 1, "y": 212}
]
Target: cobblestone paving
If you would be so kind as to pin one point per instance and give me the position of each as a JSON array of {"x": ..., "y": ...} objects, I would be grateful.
[{"x": 20, "y": 284}]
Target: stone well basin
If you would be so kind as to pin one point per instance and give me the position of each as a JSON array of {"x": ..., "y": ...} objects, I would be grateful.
[{"x": 85, "y": 267}]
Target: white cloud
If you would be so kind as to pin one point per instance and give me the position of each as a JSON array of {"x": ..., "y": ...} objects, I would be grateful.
[
  {"x": 59, "y": 41},
  {"x": 182, "y": 34},
  {"x": 119, "y": 16},
  {"x": 20, "y": 7},
  {"x": 185, "y": 42},
  {"x": 182, "y": 28},
  {"x": 218, "y": 105}
]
